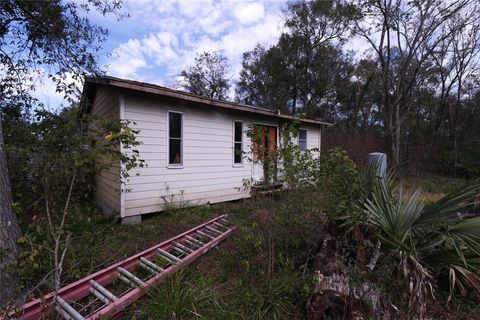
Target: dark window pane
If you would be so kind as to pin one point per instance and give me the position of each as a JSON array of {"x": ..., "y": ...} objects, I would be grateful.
[
  {"x": 237, "y": 152},
  {"x": 238, "y": 131},
  {"x": 175, "y": 154},
  {"x": 302, "y": 134},
  {"x": 175, "y": 125}
]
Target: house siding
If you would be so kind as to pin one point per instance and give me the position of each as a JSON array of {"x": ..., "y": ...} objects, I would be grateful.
[
  {"x": 107, "y": 181},
  {"x": 208, "y": 174}
]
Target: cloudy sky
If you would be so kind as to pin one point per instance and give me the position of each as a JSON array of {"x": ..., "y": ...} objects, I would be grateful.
[{"x": 161, "y": 37}]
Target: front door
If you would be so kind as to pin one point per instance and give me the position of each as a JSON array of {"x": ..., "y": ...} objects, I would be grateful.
[{"x": 264, "y": 142}]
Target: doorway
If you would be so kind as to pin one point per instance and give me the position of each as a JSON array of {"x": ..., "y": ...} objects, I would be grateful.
[{"x": 264, "y": 145}]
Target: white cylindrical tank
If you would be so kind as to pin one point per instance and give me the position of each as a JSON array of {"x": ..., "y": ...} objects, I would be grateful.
[{"x": 379, "y": 160}]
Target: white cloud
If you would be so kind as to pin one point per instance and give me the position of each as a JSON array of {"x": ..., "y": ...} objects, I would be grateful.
[
  {"x": 161, "y": 37},
  {"x": 129, "y": 58},
  {"x": 168, "y": 36},
  {"x": 249, "y": 12},
  {"x": 161, "y": 47}
]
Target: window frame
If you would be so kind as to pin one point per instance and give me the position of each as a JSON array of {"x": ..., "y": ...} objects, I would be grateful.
[
  {"x": 241, "y": 163},
  {"x": 306, "y": 139},
  {"x": 182, "y": 137}
]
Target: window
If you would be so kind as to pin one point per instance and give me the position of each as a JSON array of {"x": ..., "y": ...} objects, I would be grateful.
[
  {"x": 237, "y": 142},
  {"x": 175, "y": 154},
  {"x": 302, "y": 139}
]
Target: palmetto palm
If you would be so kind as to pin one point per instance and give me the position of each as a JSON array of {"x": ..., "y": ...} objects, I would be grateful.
[{"x": 427, "y": 237}]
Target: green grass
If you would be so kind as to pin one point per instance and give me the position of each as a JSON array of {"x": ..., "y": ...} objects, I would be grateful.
[
  {"x": 264, "y": 271},
  {"x": 184, "y": 295},
  {"x": 255, "y": 274},
  {"x": 433, "y": 183}
]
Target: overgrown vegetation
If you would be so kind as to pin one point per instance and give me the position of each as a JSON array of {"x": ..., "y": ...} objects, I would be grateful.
[
  {"x": 52, "y": 157},
  {"x": 340, "y": 243},
  {"x": 267, "y": 271},
  {"x": 286, "y": 243}
]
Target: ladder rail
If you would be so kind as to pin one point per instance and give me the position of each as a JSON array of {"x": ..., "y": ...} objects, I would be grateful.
[
  {"x": 94, "y": 282},
  {"x": 137, "y": 293}
]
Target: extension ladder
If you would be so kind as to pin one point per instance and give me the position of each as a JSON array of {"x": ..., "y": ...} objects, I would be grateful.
[{"x": 108, "y": 292}]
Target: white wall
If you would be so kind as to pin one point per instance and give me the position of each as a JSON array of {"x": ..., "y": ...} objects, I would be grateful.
[
  {"x": 208, "y": 173},
  {"x": 107, "y": 182}
]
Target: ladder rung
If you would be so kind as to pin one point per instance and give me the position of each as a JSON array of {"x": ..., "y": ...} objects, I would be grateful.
[
  {"x": 64, "y": 306},
  {"x": 200, "y": 243},
  {"x": 214, "y": 230},
  {"x": 181, "y": 246},
  {"x": 151, "y": 265},
  {"x": 144, "y": 266},
  {"x": 130, "y": 277},
  {"x": 65, "y": 315},
  {"x": 110, "y": 296},
  {"x": 169, "y": 255},
  {"x": 225, "y": 221},
  {"x": 178, "y": 250},
  {"x": 211, "y": 233},
  {"x": 193, "y": 244},
  {"x": 220, "y": 225},
  {"x": 205, "y": 235},
  {"x": 99, "y": 295}
]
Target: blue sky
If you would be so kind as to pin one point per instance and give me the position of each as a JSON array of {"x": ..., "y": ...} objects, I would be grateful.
[{"x": 160, "y": 38}]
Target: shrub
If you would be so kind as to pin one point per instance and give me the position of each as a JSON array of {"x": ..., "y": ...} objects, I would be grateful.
[{"x": 337, "y": 178}]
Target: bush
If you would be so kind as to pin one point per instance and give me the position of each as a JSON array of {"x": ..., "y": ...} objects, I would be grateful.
[{"x": 337, "y": 179}]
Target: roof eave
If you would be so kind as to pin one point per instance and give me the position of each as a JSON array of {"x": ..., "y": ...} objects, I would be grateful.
[{"x": 149, "y": 88}]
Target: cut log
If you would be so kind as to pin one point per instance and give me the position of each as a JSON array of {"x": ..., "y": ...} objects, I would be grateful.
[{"x": 334, "y": 297}]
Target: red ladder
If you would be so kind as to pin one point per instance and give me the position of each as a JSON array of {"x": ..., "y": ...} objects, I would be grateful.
[{"x": 109, "y": 291}]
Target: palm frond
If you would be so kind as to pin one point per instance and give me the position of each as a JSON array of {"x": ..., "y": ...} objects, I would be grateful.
[
  {"x": 447, "y": 255},
  {"x": 462, "y": 278},
  {"x": 465, "y": 237},
  {"x": 369, "y": 178},
  {"x": 436, "y": 212},
  {"x": 393, "y": 218}
]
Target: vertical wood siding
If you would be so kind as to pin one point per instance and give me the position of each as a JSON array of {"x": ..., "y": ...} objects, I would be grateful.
[{"x": 107, "y": 182}]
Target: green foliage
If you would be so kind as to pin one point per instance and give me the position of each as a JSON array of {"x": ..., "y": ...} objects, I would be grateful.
[
  {"x": 262, "y": 154},
  {"x": 338, "y": 179},
  {"x": 186, "y": 296},
  {"x": 298, "y": 167},
  {"x": 208, "y": 76},
  {"x": 47, "y": 152},
  {"x": 48, "y": 38},
  {"x": 334, "y": 174},
  {"x": 272, "y": 298},
  {"x": 52, "y": 162},
  {"x": 33, "y": 258},
  {"x": 305, "y": 67},
  {"x": 430, "y": 234},
  {"x": 470, "y": 158}
]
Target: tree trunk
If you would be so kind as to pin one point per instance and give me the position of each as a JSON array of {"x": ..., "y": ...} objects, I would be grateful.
[
  {"x": 396, "y": 136},
  {"x": 9, "y": 230}
]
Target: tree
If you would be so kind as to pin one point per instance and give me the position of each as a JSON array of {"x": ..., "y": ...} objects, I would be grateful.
[
  {"x": 266, "y": 78},
  {"x": 457, "y": 61},
  {"x": 208, "y": 76},
  {"x": 299, "y": 73},
  {"x": 40, "y": 38},
  {"x": 404, "y": 36},
  {"x": 357, "y": 98}
]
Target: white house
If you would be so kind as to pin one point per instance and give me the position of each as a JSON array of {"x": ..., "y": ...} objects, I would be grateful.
[{"x": 190, "y": 144}]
